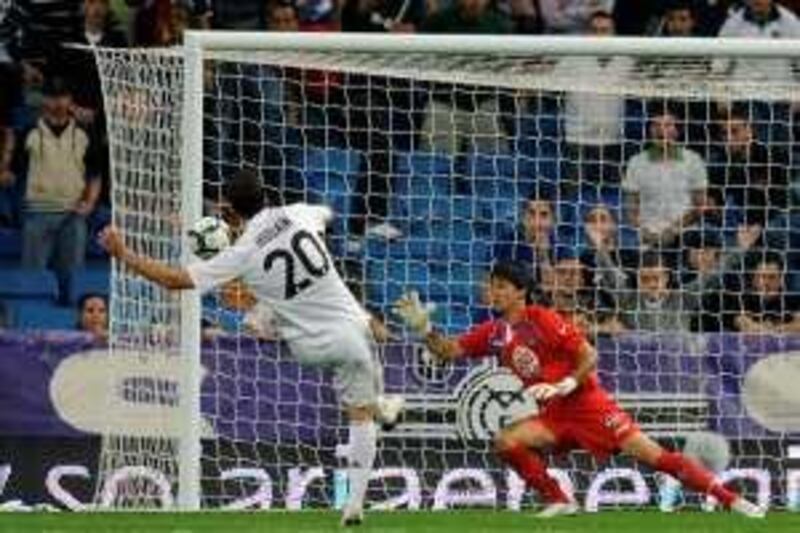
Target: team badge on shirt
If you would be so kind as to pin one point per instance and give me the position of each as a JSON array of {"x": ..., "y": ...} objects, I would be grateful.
[{"x": 525, "y": 362}]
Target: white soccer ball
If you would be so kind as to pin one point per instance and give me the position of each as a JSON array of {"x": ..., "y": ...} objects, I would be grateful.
[{"x": 209, "y": 236}]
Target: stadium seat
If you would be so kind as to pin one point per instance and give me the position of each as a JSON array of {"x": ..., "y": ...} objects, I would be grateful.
[
  {"x": 24, "y": 283},
  {"x": 95, "y": 279},
  {"x": 29, "y": 314},
  {"x": 330, "y": 177},
  {"x": 463, "y": 207},
  {"x": 423, "y": 174},
  {"x": 10, "y": 244}
]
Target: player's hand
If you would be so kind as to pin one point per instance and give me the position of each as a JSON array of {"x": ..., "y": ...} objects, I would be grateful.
[
  {"x": 543, "y": 392},
  {"x": 413, "y": 313},
  {"x": 111, "y": 240}
]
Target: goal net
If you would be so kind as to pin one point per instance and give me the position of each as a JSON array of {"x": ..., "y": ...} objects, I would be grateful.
[{"x": 647, "y": 184}]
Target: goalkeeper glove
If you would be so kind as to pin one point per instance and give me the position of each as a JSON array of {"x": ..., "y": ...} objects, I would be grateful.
[
  {"x": 413, "y": 313},
  {"x": 542, "y": 392}
]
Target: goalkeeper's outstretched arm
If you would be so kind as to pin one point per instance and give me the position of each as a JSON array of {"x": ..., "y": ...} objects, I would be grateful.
[
  {"x": 442, "y": 347},
  {"x": 416, "y": 315}
]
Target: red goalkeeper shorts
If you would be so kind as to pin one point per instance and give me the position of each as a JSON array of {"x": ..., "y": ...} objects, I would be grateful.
[{"x": 590, "y": 420}]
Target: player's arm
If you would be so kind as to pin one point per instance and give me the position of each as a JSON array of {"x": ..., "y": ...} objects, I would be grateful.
[
  {"x": 442, "y": 347},
  {"x": 585, "y": 363},
  {"x": 566, "y": 339},
  {"x": 416, "y": 315},
  {"x": 169, "y": 277}
]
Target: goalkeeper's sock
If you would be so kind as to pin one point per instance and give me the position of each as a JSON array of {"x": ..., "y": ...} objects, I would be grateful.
[
  {"x": 363, "y": 447},
  {"x": 694, "y": 476},
  {"x": 530, "y": 467}
]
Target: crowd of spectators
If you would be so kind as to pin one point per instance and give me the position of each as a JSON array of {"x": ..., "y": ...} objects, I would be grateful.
[{"x": 703, "y": 233}]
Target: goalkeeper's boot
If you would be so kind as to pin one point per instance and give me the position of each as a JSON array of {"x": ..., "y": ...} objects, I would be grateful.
[
  {"x": 748, "y": 508},
  {"x": 390, "y": 407},
  {"x": 558, "y": 509},
  {"x": 669, "y": 493},
  {"x": 352, "y": 517}
]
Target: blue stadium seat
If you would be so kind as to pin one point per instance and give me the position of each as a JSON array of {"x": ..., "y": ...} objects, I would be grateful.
[
  {"x": 41, "y": 314},
  {"x": 330, "y": 176},
  {"x": 22, "y": 283},
  {"x": 464, "y": 207},
  {"x": 96, "y": 279},
  {"x": 423, "y": 174},
  {"x": 458, "y": 319},
  {"x": 10, "y": 244}
]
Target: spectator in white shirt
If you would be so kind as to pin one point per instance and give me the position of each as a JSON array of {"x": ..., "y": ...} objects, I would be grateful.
[
  {"x": 665, "y": 185},
  {"x": 762, "y": 19},
  {"x": 594, "y": 122}
]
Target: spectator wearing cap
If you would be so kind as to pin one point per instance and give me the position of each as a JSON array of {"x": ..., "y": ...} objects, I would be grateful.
[
  {"x": 766, "y": 305},
  {"x": 664, "y": 185},
  {"x": 61, "y": 190}
]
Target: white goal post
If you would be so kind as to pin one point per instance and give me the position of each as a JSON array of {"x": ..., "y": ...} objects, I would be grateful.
[{"x": 492, "y": 64}]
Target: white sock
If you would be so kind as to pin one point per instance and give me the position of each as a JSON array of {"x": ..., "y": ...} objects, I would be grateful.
[{"x": 362, "y": 456}]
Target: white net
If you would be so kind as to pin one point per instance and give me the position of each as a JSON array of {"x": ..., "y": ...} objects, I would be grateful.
[{"x": 651, "y": 197}]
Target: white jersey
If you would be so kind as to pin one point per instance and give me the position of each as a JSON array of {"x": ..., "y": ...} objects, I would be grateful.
[{"x": 284, "y": 261}]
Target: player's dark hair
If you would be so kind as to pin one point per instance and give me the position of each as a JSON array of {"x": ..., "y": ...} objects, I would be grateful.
[
  {"x": 245, "y": 192},
  {"x": 515, "y": 273}
]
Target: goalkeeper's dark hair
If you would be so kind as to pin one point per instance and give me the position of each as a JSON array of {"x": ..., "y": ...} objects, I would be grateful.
[
  {"x": 515, "y": 273},
  {"x": 245, "y": 192}
]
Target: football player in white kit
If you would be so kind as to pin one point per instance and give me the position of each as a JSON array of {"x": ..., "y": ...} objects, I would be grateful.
[{"x": 284, "y": 263}]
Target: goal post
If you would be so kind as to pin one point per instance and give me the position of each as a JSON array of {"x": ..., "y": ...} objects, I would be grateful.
[
  {"x": 446, "y": 138},
  {"x": 190, "y": 450}
]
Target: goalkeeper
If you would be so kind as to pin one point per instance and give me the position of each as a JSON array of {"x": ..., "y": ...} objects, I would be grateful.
[{"x": 558, "y": 368}]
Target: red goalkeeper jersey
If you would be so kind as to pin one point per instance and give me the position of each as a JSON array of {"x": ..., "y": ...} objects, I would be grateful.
[{"x": 541, "y": 347}]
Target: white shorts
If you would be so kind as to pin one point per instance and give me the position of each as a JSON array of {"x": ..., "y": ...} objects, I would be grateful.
[{"x": 352, "y": 354}]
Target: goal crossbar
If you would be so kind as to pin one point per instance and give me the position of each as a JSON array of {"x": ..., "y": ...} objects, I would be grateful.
[{"x": 519, "y": 45}]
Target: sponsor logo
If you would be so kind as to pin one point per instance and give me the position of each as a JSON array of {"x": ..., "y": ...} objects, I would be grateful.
[{"x": 131, "y": 393}]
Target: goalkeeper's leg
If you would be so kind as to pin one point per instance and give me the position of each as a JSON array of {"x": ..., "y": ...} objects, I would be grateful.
[
  {"x": 687, "y": 471},
  {"x": 707, "y": 448},
  {"x": 516, "y": 447}
]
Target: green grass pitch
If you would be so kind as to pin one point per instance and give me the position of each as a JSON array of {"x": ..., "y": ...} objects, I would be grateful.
[{"x": 397, "y": 522}]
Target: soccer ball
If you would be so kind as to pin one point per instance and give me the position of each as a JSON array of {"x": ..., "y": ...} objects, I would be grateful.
[{"x": 208, "y": 237}]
